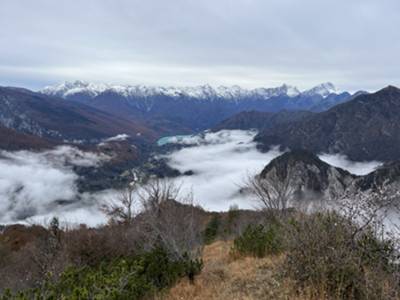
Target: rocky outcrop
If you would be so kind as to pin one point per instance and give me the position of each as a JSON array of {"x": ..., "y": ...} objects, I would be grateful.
[{"x": 307, "y": 177}]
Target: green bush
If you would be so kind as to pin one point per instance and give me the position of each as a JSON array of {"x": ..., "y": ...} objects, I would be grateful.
[
  {"x": 211, "y": 230},
  {"x": 231, "y": 225},
  {"x": 124, "y": 278},
  {"x": 258, "y": 240}
]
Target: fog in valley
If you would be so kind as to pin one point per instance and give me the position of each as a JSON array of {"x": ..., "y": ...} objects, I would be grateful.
[{"x": 36, "y": 186}]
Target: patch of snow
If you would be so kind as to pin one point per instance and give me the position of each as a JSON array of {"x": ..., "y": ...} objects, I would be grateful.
[
  {"x": 117, "y": 138},
  {"x": 324, "y": 90}
]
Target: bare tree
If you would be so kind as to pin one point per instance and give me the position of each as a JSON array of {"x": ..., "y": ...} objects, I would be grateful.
[
  {"x": 273, "y": 193},
  {"x": 47, "y": 253},
  {"x": 125, "y": 207},
  {"x": 156, "y": 210},
  {"x": 171, "y": 220}
]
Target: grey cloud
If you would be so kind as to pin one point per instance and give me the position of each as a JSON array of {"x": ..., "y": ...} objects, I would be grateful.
[
  {"x": 342, "y": 161},
  {"x": 246, "y": 42}
]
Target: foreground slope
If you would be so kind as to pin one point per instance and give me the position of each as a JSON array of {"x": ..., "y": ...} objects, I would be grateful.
[{"x": 224, "y": 277}]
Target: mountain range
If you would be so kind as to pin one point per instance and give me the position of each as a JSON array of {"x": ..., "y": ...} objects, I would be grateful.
[
  {"x": 361, "y": 126},
  {"x": 206, "y": 92},
  {"x": 366, "y": 128},
  {"x": 194, "y": 108},
  {"x": 52, "y": 118}
]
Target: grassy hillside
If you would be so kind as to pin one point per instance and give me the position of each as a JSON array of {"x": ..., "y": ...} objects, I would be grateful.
[{"x": 225, "y": 276}]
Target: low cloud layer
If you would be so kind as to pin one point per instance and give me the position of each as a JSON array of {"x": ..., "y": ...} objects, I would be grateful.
[
  {"x": 222, "y": 161},
  {"x": 357, "y": 168},
  {"x": 37, "y": 186},
  {"x": 34, "y": 184}
]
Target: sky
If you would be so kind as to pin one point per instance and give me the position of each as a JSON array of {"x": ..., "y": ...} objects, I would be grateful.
[{"x": 251, "y": 43}]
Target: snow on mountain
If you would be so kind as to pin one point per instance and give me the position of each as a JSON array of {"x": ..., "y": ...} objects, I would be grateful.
[
  {"x": 285, "y": 89},
  {"x": 324, "y": 90},
  {"x": 69, "y": 88},
  {"x": 198, "y": 92}
]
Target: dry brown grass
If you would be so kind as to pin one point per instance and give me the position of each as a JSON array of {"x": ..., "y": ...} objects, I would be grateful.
[{"x": 227, "y": 277}]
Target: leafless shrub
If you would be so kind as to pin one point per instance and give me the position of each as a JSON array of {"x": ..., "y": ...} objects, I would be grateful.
[
  {"x": 90, "y": 246},
  {"x": 4, "y": 252},
  {"x": 171, "y": 220},
  {"x": 19, "y": 272},
  {"x": 371, "y": 209},
  {"x": 124, "y": 208},
  {"x": 347, "y": 250},
  {"x": 47, "y": 252},
  {"x": 324, "y": 254},
  {"x": 273, "y": 194},
  {"x": 41, "y": 256}
]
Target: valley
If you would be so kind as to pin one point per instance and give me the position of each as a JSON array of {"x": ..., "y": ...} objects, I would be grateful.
[
  {"x": 199, "y": 150},
  {"x": 212, "y": 165},
  {"x": 218, "y": 168}
]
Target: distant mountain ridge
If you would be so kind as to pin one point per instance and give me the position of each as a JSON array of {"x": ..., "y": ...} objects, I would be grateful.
[
  {"x": 52, "y": 118},
  {"x": 365, "y": 128},
  {"x": 195, "y": 108},
  {"x": 261, "y": 120},
  {"x": 235, "y": 92}
]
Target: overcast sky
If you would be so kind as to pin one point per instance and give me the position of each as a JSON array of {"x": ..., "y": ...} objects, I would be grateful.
[{"x": 353, "y": 43}]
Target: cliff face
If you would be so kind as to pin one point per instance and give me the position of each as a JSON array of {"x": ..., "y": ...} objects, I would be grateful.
[{"x": 307, "y": 177}]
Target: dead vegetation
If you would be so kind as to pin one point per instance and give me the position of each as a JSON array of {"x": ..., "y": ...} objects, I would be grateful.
[
  {"x": 275, "y": 253},
  {"x": 225, "y": 276}
]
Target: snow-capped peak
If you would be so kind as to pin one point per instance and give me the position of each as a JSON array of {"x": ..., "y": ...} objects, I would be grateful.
[
  {"x": 78, "y": 86},
  {"x": 290, "y": 90},
  {"x": 235, "y": 92},
  {"x": 324, "y": 90}
]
